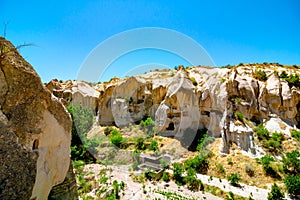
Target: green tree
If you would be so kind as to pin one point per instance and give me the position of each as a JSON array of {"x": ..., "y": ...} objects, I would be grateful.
[
  {"x": 149, "y": 126},
  {"x": 275, "y": 193},
  {"x": 82, "y": 122}
]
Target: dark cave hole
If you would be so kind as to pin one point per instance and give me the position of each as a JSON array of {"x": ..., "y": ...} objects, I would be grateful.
[
  {"x": 298, "y": 115},
  {"x": 35, "y": 144},
  {"x": 171, "y": 127}
]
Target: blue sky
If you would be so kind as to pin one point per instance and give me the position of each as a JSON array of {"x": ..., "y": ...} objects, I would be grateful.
[{"x": 231, "y": 32}]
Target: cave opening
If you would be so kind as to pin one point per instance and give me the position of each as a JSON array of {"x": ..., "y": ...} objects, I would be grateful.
[
  {"x": 171, "y": 127},
  {"x": 298, "y": 115},
  {"x": 255, "y": 120},
  {"x": 35, "y": 144}
]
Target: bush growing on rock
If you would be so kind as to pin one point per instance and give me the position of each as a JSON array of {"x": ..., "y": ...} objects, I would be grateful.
[
  {"x": 261, "y": 132},
  {"x": 291, "y": 162},
  {"x": 234, "y": 178},
  {"x": 296, "y": 134},
  {"x": 177, "y": 173},
  {"x": 116, "y": 138},
  {"x": 292, "y": 184},
  {"x": 275, "y": 193},
  {"x": 260, "y": 75}
]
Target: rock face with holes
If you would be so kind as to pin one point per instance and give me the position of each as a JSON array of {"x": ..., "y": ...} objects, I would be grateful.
[
  {"x": 35, "y": 131},
  {"x": 228, "y": 102}
]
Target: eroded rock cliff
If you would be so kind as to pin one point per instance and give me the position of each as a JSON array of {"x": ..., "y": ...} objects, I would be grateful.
[
  {"x": 228, "y": 102},
  {"x": 35, "y": 131}
]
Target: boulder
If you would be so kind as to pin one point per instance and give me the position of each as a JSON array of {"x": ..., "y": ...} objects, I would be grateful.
[{"x": 35, "y": 131}]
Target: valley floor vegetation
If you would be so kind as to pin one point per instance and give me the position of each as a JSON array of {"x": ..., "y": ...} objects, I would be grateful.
[{"x": 284, "y": 174}]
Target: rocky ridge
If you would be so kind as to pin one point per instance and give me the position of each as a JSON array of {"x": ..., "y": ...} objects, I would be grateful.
[{"x": 228, "y": 102}]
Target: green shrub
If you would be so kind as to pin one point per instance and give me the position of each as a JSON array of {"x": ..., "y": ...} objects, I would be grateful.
[
  {"x": 139, "y": 144},
  {"x": 295, "y": 134},
  {"x": 177, "y": 173},
  {"x": 261, "y": 132},
  {"x": 230, "y": 196},
  {"x": 149, "y": 126},
  {"x": 153, "y": 146},
  {"x": 293, "y": 80},
  {"x": 108, "y": 130},
  {"x": 165, "y": 177},
  {"x": 266, "y": 162},
  {"x": 274, "y": 142},
  {"x": 291, "y": 162},
  {"x": 220, "y": 168},
  {"x": 239, "y": 116},
  {"x": 283, "y": 75},
  {"x": 275, "y": 193},
  {"x": 292, "y": 184},
  {"x": 234, "y": 178},
  {"x": 229, "y": 161},
  {"x": 199, "y": 163},
  {"x": 191, "y": 180},
  {"x": 194, "y": 81},
  {"x": 260, "y": 75},
  {"x": 116, "y": 138}
]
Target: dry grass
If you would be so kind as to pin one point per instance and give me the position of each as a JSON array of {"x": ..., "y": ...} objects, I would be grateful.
[{"x": 239, "y": 162}]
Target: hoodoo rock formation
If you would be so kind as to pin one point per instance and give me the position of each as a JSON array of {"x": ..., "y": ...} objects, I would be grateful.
[
  {"x": 35, "y": 131},
  {"x": 228, "y": 102}
]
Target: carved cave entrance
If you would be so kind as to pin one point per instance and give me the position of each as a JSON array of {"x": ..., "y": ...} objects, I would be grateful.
[{"x": 298, "y": 115}]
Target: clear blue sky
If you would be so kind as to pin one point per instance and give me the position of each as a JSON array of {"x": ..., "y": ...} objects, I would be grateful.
[{"x": 230, "y": 31}]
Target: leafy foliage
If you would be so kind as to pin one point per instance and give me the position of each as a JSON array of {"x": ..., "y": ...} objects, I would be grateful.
[
  {"x": 148, "y": 126},
  {"x": 240, "y": 116},
  {"x": 191, "y": 180},
  {"x": 220, "y": 168},
  {"x": 153, "y": 146},
  {"x": 194, "y": 82},
  {"x": 116, "y": 138},
  {"x": 261, "y": 132},
  {"x": 139, "y": 144},
  {"x": 266, "y": 162},
  {"x": 82, "y": 122},
  {"x": 177, "y": 173},
  {"x": 260, "y": 75},
  {"x": 165, "y": 177},
  {"x": 275, "y": 193},
  {"x": 274, "y": 142},
  {"x": 292, "y": 184},
  {"x": 234, "y": 178},
  {"x": 291, "y": 162},
  {"x": 296, "y": 134}
]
